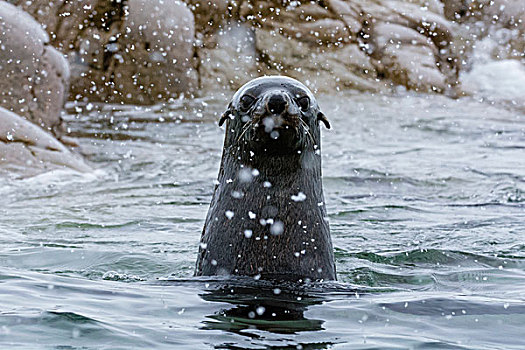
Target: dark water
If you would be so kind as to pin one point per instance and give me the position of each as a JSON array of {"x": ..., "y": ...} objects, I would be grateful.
[{"x": 426, "y": 198}]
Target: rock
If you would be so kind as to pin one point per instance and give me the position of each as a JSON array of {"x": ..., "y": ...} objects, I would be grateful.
[
  {"x": 27, "y": 150},
  {"x": 500, "y": 22},
  {"x": 406, "y": 57},
  {"x": 505, "y": 13},
  {"x": 321, "y": 69},
  {"x": 311, "y": 43},
  {"x": 347, "y": 13},
  {"x": 34, "y": 76},
  {"x": 427, "y": 23},
  {"x": 232, "y": 62},
  {"x": 209, "y": 14},
  {"x": 155, "y": 60},
  {"x": 435, "y": 6},
  {"x": 412, "y": 47},
  {"x": 327, "y": 43},
  {"x": 353, "y": 43},
  {"x": 134, "y": 51}
]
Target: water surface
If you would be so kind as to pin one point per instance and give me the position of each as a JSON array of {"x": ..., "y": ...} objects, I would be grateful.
[{"x": 426, "y": 199}]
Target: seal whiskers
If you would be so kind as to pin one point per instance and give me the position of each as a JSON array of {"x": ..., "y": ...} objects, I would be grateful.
[
  {"x": 249, "y": 124},
  {"x": 307, "y": 131}
]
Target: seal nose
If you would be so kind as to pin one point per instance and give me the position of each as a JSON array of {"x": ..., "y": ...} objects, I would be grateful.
[{"x": 276, "y": 104}]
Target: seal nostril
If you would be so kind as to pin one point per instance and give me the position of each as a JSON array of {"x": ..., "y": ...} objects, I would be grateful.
[{"x": 276, "y": 104}]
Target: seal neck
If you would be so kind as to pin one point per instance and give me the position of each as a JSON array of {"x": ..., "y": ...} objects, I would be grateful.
[{"x": 297, "y": 164}]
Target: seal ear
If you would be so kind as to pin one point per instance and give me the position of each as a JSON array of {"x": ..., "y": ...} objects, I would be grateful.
[
  {"x": 321, "y": 117},
  {"x": 226, "y": 114}
]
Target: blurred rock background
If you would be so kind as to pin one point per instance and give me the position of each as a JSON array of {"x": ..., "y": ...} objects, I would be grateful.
[
  {"x": 34, "y": 83},
  {"x": 150, "y": 51},
  {"x": 146, "y": 51}
]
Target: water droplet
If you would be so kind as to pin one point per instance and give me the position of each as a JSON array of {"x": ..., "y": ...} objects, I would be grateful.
[
  {"x": 300, "y": 197},
  {"x": 245, "y": 175},
  {"x": 277, "y": 228},
  {"x": 260, "y": 310}
]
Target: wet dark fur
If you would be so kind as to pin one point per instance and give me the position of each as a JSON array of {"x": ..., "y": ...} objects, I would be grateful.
[{"x": 224, "y": 247}]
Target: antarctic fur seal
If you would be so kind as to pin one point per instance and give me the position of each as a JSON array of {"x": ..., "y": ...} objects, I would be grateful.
[{"x": 267, "y": 217}]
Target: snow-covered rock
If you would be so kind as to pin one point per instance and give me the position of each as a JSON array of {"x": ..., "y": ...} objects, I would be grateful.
[
  {"x": 507, "y": 13},
  {"x": 499, "y": 21},
  {"x": 134, "y": 51},
  {"x": 412, "y": 47},
  {"x": 143, "y": 51},
  {"x": 34, "y": 76},
  {"x": 27, "y": 150},
  {"x": 231, "y": 60},
  {"x": 365, "y": 45}
]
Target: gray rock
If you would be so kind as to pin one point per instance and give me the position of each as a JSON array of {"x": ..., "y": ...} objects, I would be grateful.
[
  {"x": 411, "y": 46},
  {"x": 27, "y": 150},
  {"x": 34, "y": 76},
  {"x": 407, "y": 57},
  {"x": 209, "y": 14},
  {"x": 499, "y": 21},
  {"x": 232, "y": 61},
  {"x": 333, "y": 44},
  {"x": 141, "y": 58},
  {"x": 156, "y": 57},
  {"x": 506, "y": 13},
  {"x": 322, "y": 69},
  {"x": 356, "y": 43},
  {"x": 134, "y": 51}
]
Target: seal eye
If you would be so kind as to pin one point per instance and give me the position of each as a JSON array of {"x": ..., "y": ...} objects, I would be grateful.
[
  {"x": 246, "y": 102},
  {"x": 304, "y": 103}
]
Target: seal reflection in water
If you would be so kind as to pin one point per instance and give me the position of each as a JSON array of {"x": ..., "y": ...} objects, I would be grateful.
[{"x": 267, "y": 217}]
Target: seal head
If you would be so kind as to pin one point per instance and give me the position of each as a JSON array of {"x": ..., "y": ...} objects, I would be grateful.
[
  {"x": 275, "y": 113},
  {"x": 267, "y": 217}
]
